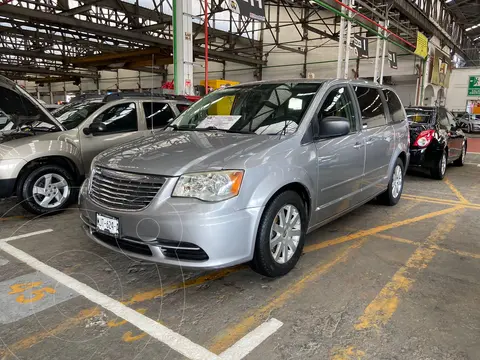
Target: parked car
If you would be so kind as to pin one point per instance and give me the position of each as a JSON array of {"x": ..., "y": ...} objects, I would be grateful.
[
  {"x": 43, "y": 159},
  {"x": 436, "y": 140},
  {"x": 246, "y": 172},
  {"x": 469, "y": 122}
]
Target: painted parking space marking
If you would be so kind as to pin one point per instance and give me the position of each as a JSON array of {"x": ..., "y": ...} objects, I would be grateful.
[
  {"x": 245, "y": 345},
  {"x": 24, "y": 236},
  {"x": 170, "y": 338},
  {"x": 149, "y": 326},
  {"x": 379, "y": 312},
  {"x": 29, "y": 294},
  {"x": 381, "y": 309},
  {"x": 3, "y": 261},
  {"x": 457, "y": 192}
]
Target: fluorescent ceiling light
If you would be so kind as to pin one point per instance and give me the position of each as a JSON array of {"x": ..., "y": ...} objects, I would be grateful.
[{"x": 448, "y": 1}]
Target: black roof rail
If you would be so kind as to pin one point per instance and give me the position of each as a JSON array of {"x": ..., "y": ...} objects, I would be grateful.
[{"x": 123, "y": 95}]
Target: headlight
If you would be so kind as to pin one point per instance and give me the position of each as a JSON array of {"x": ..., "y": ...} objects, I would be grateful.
[{"x": 209, "y": 186}]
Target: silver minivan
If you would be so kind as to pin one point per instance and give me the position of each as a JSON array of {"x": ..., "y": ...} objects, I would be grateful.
[{"x": 245, "y": 173}]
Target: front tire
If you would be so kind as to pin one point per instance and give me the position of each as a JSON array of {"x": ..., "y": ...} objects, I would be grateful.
[
  {"x": 281, "y": 235},
  {"x": 395, "y": 186},
  {"x": 46, "y": 189},
  {"x": 440, "y": 168}
]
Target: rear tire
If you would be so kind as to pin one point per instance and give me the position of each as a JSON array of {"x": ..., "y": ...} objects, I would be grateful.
[
  {"x": 440, "y": 168},
  {"x": 46, "y": 189},
  {"x": 395, "y": 186},
  {"x": 280, "y": 238},
  {"x": 461, "y": 160}
]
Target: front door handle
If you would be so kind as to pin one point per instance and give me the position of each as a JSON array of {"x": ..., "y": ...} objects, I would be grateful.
[
  {"x": 358, "y": 145},
  {"x": 369, "y": 141}
]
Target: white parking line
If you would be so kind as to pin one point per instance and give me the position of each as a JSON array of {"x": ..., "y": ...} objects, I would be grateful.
[
  {"x": 245, "y": 345},
  {"x": 170, "y": 338},
  {"x": 26, "y": 235}
]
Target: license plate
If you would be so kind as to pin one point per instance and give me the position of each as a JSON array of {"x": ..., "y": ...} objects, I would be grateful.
[{"x": 107, "y": 224}]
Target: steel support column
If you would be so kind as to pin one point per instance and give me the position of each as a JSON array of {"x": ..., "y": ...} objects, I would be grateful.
[
  {"x": 341, "y": 45},
  {"x": 384, "y": 47},
  {"x": 347, "y": 42},
  {"x": 183, "y": 47},
  {"x": 377, "y": 59}
]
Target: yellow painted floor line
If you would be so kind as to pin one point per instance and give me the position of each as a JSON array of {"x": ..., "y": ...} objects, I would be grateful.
[
  {"x": 381, "y": 309},
  {"x": 439, "y": 201},
  {"x": 28, "y": 342},
  {"x": 232, "y": 334},
  {"x": 435, "y": 247},
  {"x": 91, "y": 312},
  {"x": 457, "y": 192},
  {"x": 155, "y": 293},
  {"x": 16, "y": 217},
  {"x": 378, "y": 229}
]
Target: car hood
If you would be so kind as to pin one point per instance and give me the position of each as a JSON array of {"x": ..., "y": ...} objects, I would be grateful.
[
  {"x": 173, "y": 153},
  {"x": 33, "y": 111}
]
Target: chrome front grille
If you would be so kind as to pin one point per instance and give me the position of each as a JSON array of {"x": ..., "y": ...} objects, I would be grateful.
[{"x": 123, "y": 191}]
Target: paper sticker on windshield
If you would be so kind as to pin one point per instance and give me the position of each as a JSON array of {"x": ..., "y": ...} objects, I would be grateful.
[{"x": 219, "y": 121}]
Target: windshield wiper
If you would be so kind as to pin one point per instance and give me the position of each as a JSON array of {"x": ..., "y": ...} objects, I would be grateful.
[
  {"x": 214, "y": 128},
  {"x": 176, "y": 127}
]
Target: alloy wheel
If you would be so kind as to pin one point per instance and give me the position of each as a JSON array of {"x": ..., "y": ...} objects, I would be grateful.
[
  {"x": 397, "y": 181},
  {"x": 443, "y": 165},
  {"x": 285, "y": 234},
  {"x": 51, "y": 191}
]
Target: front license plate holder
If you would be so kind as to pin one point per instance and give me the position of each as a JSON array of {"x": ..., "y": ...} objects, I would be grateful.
[{"x": 108, "y": 225}]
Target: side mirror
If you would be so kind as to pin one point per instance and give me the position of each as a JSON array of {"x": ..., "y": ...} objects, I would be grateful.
[
  {"x": 333, "y": 126},
  {"x": 95, "y": 127}
]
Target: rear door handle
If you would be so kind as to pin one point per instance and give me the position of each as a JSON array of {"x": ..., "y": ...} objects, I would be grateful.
[
  {"x": 358, "y": 145},
  {"x": 369, "y": 141}
]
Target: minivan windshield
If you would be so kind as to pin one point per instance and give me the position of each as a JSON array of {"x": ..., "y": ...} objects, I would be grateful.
[
  {"x": 419, "y": 116},
  {"x": 266, "y": 109},
  {"x": 72, "y": 115}
]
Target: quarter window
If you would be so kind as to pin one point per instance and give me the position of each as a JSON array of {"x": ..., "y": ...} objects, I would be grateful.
[
  {"x": 395, "y": 107},
  {"x": 119, "y": 118},
  {"x": 339, "y": 103},
  {"x": 158, "y": 115},
  {"x": 371, "y": 107}
]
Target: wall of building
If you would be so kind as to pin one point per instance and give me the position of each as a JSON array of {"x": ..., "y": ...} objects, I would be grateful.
[{"x": 457, "y": 94}]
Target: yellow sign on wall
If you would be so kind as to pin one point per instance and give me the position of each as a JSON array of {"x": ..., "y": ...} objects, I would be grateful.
[{"x": 422, "y": 45}]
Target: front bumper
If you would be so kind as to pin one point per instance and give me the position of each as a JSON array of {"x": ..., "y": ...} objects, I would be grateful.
[
  {"x": 178, "y": 232},
  {"x": 7, "y": 187}
]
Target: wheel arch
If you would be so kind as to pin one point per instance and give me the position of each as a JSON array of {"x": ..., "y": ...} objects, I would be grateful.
[
  {"x": 59, "y": 160},
  {"x": 300, "y": 189}
]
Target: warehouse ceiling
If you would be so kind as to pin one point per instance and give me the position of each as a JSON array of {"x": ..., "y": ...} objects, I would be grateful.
[
  {"x": 468, "y": 12},
  {"x": 62, "y": 40}
]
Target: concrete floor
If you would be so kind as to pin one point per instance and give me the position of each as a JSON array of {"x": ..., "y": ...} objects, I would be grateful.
[{"x": 379, "y": 283}]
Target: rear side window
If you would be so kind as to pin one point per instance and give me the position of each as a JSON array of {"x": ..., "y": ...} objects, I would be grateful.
[
  {"x": 371, "y": 107},
  {"x": 119, "y": 118},
  {"x": 395, "y": 107},
  {"x": 158, "y": 115}
]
